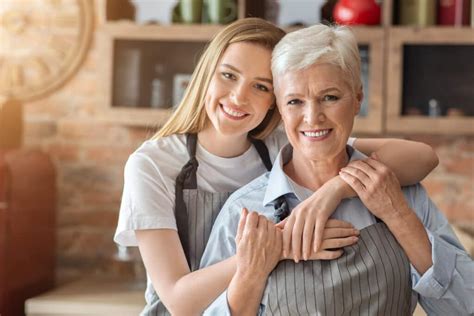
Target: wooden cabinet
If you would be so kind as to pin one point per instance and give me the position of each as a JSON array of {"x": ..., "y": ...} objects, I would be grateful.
[
  {"x": 27, "y": 227},
  {"x": 175, "y": 47},
  {"x": 430, "y": 67},
  {"x": 178, "y": 46}
]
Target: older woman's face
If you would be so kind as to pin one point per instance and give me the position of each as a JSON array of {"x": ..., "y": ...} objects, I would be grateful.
[{"x": 317, "y": 107}]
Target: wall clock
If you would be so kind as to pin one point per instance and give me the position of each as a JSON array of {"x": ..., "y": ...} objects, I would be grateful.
[{"x": 42, "y": 43}]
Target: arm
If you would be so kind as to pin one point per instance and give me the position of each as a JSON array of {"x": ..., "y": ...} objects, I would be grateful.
[
  {"x": 378, "y": 188},
  {"x": 151, "y": 221},
  {"x": 249, "y": 239},
  {"x": 410, "y": 161},
  {"x": 447, "y": 287},
  {"x": 258, "y": 252},
  {"x": 166, "y": 264},
  {"x": 441, "y": 269}
]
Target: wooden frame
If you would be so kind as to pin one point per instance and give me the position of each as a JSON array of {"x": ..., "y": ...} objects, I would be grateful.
[
  {"x": 395, "y": 122},
  {"x": 124, "y": 30},
  {"x": 374, "y": 38}
]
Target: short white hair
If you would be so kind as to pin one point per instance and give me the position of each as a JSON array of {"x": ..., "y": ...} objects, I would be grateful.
[{"x": 319, "y": 44}]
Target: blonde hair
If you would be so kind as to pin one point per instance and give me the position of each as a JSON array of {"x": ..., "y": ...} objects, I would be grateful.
[
  {"x": 319, "y": 43},
  {"x": 190, "y": 116}
]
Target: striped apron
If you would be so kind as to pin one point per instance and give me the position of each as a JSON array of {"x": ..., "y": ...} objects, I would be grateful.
[
  {"x": 372, "y": 277},
  {"x": 195, "y": 211}
]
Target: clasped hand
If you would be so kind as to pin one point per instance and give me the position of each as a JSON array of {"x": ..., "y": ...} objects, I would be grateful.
[{"x": 260, "y": 242}]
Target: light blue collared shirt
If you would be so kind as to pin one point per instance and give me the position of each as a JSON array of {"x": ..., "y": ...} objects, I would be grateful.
[{"x": 447, "y": 288}]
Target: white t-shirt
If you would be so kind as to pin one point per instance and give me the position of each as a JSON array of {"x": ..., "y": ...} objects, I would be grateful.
[{"x": 148, "y": 197}]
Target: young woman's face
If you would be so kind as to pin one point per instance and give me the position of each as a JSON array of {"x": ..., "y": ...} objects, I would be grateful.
[{"x": 241, "y": 90}]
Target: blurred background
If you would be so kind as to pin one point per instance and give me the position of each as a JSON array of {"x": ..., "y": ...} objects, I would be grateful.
[{"x": 84, "y": 82}]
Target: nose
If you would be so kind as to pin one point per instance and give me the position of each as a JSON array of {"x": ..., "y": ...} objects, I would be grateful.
[
  {"x": 314, "y": 114},
  {"x": 239, "y": 95}
]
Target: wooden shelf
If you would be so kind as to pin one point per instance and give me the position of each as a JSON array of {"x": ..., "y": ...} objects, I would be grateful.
[
  {"x": 173, "y": 32},
  {"x": 145, "y": 117},
  {"x": 434, "y": 35}
]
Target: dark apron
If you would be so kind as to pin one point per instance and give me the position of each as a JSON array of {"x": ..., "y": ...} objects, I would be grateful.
[
  {"x": 372, "y": 277},
  {"x": 196, "y": 211}
]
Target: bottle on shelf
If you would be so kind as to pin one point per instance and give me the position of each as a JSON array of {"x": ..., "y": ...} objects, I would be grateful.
[
  {"x": 158, "y": 88},
  {"x": 364, "y": 72},
  {"x": 453, "y": 12},
  {"x": 434, "y": 109},
  {"x": 417, "y": 12},
  {"x": 127, "y": 77}
]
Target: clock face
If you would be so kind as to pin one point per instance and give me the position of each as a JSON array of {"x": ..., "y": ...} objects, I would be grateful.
[{"x": 42, "y": 42}]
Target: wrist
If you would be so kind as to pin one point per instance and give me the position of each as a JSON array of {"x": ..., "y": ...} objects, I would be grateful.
[
  {"x": 398, "y": 216},
  {"x": 250, "y": 277},
  {"x": 340, "y": 188}
]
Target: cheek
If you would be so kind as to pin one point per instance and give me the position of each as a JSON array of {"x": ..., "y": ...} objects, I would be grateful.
[
  {"x": 264, "y": 104},
  {"x": 290, "y": 124}
]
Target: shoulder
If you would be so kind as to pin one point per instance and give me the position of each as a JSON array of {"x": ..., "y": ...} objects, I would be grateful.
[
  {"x": 251, "y": 193},
  {"x": 164, "y": 155}
]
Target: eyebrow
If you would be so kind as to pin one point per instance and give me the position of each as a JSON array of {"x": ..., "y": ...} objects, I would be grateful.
[
  {"x": 322, "y": 91},
  {"x": 270, "y": 81}
]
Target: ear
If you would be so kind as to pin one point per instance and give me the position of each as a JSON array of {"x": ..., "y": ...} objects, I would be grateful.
[{"x": 359, "y": 98}]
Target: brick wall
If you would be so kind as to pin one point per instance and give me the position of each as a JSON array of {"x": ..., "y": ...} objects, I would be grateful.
[{"x": 89, "y": 156}]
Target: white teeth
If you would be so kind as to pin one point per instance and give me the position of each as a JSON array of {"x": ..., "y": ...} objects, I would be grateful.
[
  {"x": 316, "y": 134},
  {"x": 232, "y": 112}
]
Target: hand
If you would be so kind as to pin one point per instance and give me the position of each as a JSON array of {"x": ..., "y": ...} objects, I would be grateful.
[
  {"x": 336, "y": 235},
  {"x": 304, "y": 227},
  {"x": 377, "y": 187},
  {"x": 259, "y": 245}
]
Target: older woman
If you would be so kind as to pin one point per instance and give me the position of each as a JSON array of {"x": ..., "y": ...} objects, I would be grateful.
[{"x": 406, "y": 249}]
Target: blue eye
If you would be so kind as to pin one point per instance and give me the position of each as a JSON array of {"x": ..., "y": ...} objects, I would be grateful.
[{"x": 295, "y": 102}]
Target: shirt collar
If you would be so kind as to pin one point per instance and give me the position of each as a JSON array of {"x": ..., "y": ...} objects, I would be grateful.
[{"x": 279, "y": 184}]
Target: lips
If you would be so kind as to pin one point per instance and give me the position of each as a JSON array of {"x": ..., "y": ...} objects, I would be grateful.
[{"x": 232, "y": 113}]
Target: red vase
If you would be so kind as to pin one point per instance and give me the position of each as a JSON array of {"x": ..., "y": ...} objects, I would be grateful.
[{"x": 352, "y": 12}]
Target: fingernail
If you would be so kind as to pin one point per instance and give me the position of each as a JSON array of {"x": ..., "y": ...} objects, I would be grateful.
[
  {"x": 356, "y": 231},
  {"x": 285, "y": 254},
  {"x": 305, "y": 256}
]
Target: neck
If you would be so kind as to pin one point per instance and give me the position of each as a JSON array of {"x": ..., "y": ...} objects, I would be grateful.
[
  {"x": 313, "y": 174},
  {"x": 226, "y": 146}
]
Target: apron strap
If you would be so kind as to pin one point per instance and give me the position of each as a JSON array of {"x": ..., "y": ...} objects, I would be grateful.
[
  {"x": 186, "y": 180},
  {"x": 262, "y": 152}
]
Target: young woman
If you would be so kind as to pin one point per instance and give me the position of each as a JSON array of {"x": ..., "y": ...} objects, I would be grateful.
[{"x": 222, "y": 136}]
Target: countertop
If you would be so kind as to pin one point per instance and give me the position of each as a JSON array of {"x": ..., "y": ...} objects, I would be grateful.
[{"x": 90, "y": 296}]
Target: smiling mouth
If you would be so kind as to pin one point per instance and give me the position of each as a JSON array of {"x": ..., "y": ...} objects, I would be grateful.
[
  {"x": 232, "y": 113},
  {"x": 317, "y": 134}
]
